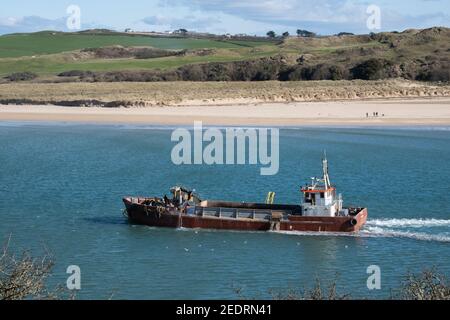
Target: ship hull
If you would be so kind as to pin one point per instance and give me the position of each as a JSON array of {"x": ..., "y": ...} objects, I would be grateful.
[{"x": 150, "y": 216}]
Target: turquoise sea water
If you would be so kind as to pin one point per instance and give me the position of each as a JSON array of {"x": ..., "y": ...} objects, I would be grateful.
[{"x": 61, "y": 188}]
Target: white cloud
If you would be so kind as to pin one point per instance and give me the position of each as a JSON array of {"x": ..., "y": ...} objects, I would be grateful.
[
  {"x": 280, "y": 11},
  {"x": 323, "y": 16},
  {"x": 253, "y": 16},
  {"x": 36, "y": 23},
  {"x": 9, "y": 21},
  {"x": 189, "y": 21}
]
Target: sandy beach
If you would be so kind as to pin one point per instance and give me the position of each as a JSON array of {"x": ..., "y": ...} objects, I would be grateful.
[{"x": 390, "y": 112}]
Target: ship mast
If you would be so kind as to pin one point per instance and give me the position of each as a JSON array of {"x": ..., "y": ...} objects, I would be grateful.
[{"x": 326, "y": 177}]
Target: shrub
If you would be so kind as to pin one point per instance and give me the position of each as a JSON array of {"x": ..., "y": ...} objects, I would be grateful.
[
  {"x": 217, "y": 72},
  {"x": 317, "y": 293},
  {"x": 21, "y": 76},
  {"x": 372, "y": 69},
  {"x": 254, "y": 70},
  {"x": 151, "y": 53},
  {"x": 75, "y": 73},
  {"x": 316, "y": 72},
  {"x": 305, "y": 33},
  {"x": 337, "y": 73},
  {"x": 428, "y": 285},
  {"x": 435, "y": 74},
  {"x": 192, "y": 72},
  {"x": 23, "y": 277},
  {"x": 340, "y": 34},
  {"x": 117, "y": 52}
]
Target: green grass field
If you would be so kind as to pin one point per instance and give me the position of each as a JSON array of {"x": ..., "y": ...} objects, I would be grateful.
[
  {"x": 50, "y": 53},
  {"x": 54, "y": 64},
  {"x": 19, "y": 45}
]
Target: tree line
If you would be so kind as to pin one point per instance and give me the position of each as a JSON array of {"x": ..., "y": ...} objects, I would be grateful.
[{"x": 303, "y": 34}]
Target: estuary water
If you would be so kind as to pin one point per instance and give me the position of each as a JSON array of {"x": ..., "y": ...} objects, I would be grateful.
[{"x": 61, "y": 187}]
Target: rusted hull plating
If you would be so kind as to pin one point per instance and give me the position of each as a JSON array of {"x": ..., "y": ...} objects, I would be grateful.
[{"x": 145, "y": 215}]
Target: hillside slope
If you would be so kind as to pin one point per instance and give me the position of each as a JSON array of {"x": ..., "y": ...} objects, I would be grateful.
[{"x": 422, "y": 55}]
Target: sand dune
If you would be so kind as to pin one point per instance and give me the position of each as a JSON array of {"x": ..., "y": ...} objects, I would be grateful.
[{"x": 148, "y": 94}]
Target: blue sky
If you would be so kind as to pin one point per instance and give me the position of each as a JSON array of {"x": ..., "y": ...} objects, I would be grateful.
[{"x": 224, "y": 16}]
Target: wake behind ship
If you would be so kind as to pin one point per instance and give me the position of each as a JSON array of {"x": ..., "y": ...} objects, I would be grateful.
[{"x": 320, "y": 211}]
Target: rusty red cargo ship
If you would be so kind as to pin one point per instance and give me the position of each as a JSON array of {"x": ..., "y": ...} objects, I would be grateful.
[{"x": 320, "y": 211}]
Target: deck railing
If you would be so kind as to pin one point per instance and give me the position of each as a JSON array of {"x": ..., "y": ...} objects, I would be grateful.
[{"x": 238, "y": 213}]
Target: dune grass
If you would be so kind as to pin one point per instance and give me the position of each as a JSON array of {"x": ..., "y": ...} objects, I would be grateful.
[{"x": 176, "y": 92}]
